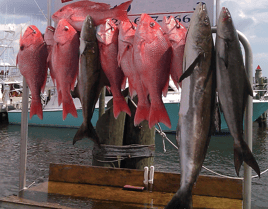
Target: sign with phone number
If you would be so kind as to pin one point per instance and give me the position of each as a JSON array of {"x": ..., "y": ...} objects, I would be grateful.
[{"x": 182, "y": 17}]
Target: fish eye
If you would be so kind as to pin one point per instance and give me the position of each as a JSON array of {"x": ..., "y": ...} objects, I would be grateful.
[
  {"x": 66, "y": 28},
  {"x": 152, "y": 24},
  {"x": 61, "y": 10},
  {"x": 206, "y": 21}
]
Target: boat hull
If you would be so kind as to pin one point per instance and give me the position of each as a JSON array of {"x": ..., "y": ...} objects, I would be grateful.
[{"x": 54, "y": 117}]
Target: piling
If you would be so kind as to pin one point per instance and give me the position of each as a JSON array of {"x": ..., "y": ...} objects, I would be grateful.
[
  {"x": 110, "y": 132},
  {"x": 140, "y": 134}
]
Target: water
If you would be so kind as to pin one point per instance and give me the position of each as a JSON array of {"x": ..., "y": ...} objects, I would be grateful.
[{"x": 54, "y": 145}]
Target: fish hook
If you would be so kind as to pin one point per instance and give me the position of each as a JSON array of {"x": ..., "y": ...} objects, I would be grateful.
[
  {"x": 32, "y": 29},
  {"x": 152, "y": 24},
  {"x": 133, "y": 26},
  {"x": 51, "y": 29}
]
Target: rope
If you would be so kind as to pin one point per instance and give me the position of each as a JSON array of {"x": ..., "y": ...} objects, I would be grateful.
[
  {"x": 40, "y": 9},
  {"x": 164, "y": 136}
]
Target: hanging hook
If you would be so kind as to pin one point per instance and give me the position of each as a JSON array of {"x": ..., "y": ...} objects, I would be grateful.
[{"x": 32, "y": 29}]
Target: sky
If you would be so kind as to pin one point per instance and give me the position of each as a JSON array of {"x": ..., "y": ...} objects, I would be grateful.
[{"x": 249, "y": 17}]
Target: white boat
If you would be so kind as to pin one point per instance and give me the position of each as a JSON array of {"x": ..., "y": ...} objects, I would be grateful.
[{"x": 52, "y": 113}]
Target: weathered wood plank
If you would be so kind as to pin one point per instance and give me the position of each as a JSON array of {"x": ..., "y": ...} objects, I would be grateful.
[
  {"x": 163, "y": 182},
  {"x": 58, "y": 192}
]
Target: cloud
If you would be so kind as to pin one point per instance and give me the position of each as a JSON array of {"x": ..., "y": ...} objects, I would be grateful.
[
  {"x": 260, "y": 57},
  {"x": 18, "y": 8}
]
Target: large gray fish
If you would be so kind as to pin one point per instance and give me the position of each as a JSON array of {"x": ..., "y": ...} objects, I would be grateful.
[
  {"x": 233, "y": 87},
  {"x": 197, "y": 104},
  {"x": 91, "y": 79}
]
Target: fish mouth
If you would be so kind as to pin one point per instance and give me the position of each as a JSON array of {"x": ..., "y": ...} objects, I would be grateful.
[
  {"x": 89, "y": 21},
  {"x": 226, "y": 14},
  {"x": 203, "y": 6}
]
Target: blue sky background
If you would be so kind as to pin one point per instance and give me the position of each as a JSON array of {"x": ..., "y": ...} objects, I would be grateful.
[{"x": 250, "y": 17}]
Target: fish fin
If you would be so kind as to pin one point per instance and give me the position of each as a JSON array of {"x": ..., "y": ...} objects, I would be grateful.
[
  {"x": 123, "y": 85},
  {"x": 68, "y": 107},
  {"x": 225, "y": 56},
  {"x": 36, "y": 109},
  {"x": 181, "y": 199},
  {"x": 86, "y": 131},
  {"x": 17, "y": 60},
  {"x": 165, "y": 89},
  {"x": 120, "y": 105},
  {"x": 175, "y": 81},
  {"x": 75, "y": 92},
  {"x": 243, "y": 153},
  {"x": 132, "y": 90},
  {"x": 121, "y": 11},
  {"x": 74, "y": 80},
  {"x": 20, "y": 42},
  {"x": 59, "y": 98},
  {"x": 76, "y": 18},
  {"x": 120, "y": 55},
  {"x": 190, "y": 69},
  {"x": 216, "y": 119},
  {"x": 108, "y": 89},
  {"x": 158, "y": 113},
  {"x": 44, "y": 84},
  {"x": 59, "y": 93},
  {"x": 142, "y": 113}
]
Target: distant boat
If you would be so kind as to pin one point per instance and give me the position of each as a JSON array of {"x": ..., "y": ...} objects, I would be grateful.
[{"x": 52, "y": 113}]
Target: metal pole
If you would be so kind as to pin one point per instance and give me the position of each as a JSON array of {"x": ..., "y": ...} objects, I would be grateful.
[
  {"x": 248, "y": 120},
  {"x": 24, "y": 137},
  {"x": 218, "y": 10},
  {"x": 48, "y": 12}
]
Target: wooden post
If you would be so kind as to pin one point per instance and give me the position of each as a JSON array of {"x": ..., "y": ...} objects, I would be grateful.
[
  {"x": 140, "y": 134},
  {"x": 110, "y": 132}
]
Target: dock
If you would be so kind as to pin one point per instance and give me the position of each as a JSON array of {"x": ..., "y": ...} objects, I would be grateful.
[{"x": 76, "y": 186}]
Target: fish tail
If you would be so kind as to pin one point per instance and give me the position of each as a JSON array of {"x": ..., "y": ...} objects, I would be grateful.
[
  {"x": 243, "y": 153},
  {"x": 120, "y": 105},
  {"x": 181, "y": 200},
  {"x": 158, "y": 113},
  {"x": 36, "y": 109},
  {"x": 86, "y": 131},
  {"x": 68, "y": 107},
  {"x": 142, "y": 113},
  {"x": 121, "y": 11}
]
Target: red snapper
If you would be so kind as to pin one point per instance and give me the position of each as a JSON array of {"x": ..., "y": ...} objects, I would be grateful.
[
  {"x": 107, "y": 35},
  {"x": 32, "y": 62},
  {"x": 152, "y": 55},
  {"x": 65, "y": 61},
  {"x": 176, "y": 34},
  {"x": 125, "y": 60},
  {"x": 75, "y": 13}
]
